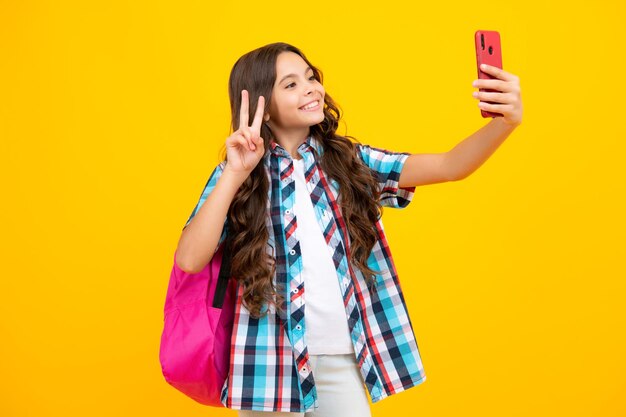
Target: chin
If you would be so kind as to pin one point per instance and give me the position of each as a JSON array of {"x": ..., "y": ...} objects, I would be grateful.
[{"x": 320, "y": 119}]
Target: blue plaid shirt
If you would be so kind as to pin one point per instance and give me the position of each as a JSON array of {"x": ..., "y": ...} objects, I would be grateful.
[{"x": 270, "y": 368}]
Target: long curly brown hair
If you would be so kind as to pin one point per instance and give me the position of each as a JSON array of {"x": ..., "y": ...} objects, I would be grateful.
[{"x": 358, "y": 187}]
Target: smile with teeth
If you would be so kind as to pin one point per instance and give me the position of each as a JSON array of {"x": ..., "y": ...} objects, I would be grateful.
[{"x": 313, "y": 105}]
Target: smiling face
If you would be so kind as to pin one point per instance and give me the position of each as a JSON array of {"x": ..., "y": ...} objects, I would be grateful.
[{"x": 295, "y": 88}]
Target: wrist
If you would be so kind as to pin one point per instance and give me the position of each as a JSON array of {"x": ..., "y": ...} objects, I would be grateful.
[{"x": 234, "y": 178}]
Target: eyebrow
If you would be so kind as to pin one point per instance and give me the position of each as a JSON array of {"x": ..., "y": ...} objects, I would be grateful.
[{"x": 293, "y": 75}]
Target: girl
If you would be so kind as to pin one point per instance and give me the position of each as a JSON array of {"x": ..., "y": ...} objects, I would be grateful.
[{"x": 320, "y": 319}]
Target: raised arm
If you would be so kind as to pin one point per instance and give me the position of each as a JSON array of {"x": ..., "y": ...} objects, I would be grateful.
[
  {"x": 467, "y": 156},
  {"x": 425, "y": 168}
]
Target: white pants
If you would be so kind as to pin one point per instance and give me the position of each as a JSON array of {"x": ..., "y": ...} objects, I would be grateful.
[{"x": 340, "y": 390}]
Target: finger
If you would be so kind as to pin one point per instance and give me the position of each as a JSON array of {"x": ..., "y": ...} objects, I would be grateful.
[
  {"x": 496, "y": 72},
  {"x": 245, "y": 132},
  {"x": 493, "y": 97},
  {"x": 243, "y": 112},
  {"x": 243, "y": 142},
  {"x": 236, "y": 141},
  {"x": 499, "y": 85},
  {"x": 258, "y": 117},
  {"x": 495, "y": 108},
  {"x": 258, "y": 143},
  {"x": 248, "y": 136}
]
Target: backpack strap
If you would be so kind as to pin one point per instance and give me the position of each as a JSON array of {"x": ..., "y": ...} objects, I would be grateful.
[{"x": 224, "y": 276}]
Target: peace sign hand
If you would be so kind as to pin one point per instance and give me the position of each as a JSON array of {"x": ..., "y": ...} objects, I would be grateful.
[{"x": 245, "y": 147}]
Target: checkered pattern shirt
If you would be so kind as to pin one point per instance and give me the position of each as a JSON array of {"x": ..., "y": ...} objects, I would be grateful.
[{"x": 270, "y": 368}]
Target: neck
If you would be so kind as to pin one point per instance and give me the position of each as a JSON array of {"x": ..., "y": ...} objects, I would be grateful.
[
  {"x": 291, "y": 140},
  {"x": 291, "y": 144}
]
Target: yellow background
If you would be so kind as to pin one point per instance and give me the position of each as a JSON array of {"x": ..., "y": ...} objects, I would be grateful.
[{"x": 114, "y": 113}]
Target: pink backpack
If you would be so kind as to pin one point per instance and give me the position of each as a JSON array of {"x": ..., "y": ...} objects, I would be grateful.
[{"x": 196, "y": 339}]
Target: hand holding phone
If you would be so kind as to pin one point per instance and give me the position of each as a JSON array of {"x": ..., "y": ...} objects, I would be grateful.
[{"x": 488, "y": 51}]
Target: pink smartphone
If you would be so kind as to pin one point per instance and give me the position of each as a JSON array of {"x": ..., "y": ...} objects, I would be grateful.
[{"x": 488, "y": 51}]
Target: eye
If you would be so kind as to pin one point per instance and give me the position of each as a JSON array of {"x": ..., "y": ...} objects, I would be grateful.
[{"x": 311, "y": 77}]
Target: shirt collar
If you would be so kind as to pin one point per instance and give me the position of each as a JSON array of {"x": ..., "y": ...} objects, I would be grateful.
[{"x": 310, "y": 144}]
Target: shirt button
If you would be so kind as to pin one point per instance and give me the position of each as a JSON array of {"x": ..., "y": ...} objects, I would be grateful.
[
  {"x": 298, "y": 327},
  {"x": 293, "y": 252},
  {"x": 287, "y": 211},
  {"x": 295, "y": 291}
]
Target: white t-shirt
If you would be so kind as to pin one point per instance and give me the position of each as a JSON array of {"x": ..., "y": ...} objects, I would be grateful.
[{"x": 326, "y": 323}]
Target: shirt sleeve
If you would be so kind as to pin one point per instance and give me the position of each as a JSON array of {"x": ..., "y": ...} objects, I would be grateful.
[
  {"x": 208, "y": 188},
  {"x": 387, "y": 165}
]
